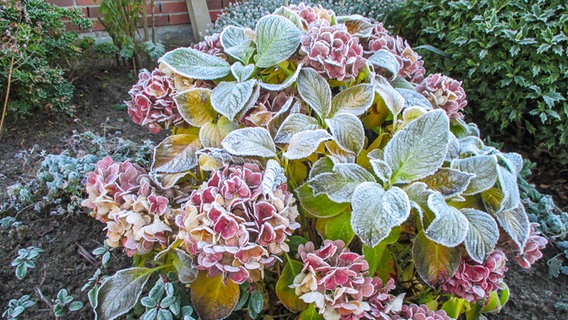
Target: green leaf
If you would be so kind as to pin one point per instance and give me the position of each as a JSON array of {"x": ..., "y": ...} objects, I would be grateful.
[
  {"x": 315, "y": 91},
  {"x": 434, "y": 262},
  {"x": 413, "y": 98},
  {"x": 392, "y": 99},
  {"x": 322, "y": 165},
  {"x": 176, "y": 154},
  {"x": 385, "y": 60},
  {"x": 347, "y": 131},
  {"x": 277, "y": 39},
  {"x": 381, "y": 169},
  {"x": 340, "y": 184},
  {"x": 337, "y": 228},
  {"x": 509, "y": 188},
  {"x": 380, "y": 255},
  {"x": 453, "y": 307},
  {"x": 75, "y": 306},
  {"x": 355, "y": 100},
  {"x": 237, "y": 43},
  {"x": 310, "y": 313},
  {"x": 376, "y": 211},
  {"x": 212, "y": 298},
  {"x": 449, "y": 182},
  {"x": 194, "y": 64},
  {"x": 119, "y": 293},
  {"x": 290, "y": 15},
  {"x": 286, "y": 294},
  {"x": 482, "y": 234},
  {"x": 305, "y": 143},
  {"x": 484, "y": 167},
  {"x": 419, "y": 149},
  {"x": 212, "y": 134},
  {"x": 185, "y": 267},
  {"x": 449, "y": 227},
  {"x": 284, "y": 85},
  {"x": 194, "y": 105},
  {"x": 229, "y": 98},
  {"x": 21, "y": 271},
  {"x": 516, "y": 223},
  {"x": 242, "y": 73},
  {"x": 295, "y": 123},
  {"x": 250, "y": 142},
  {"x": 318, "y": 206},
  {"x": 256, "y": 301}
]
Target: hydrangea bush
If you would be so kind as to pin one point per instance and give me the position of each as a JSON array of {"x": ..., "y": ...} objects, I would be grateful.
[{"x": 311, "y": 157}]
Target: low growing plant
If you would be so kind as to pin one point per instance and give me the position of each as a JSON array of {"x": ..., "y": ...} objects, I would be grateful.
[
  {"x": 65, "y": 304},
  {"x": 17, "y": 307},
  {"x": 25, "y": 260},
  {"x": 314, "y": 158}
]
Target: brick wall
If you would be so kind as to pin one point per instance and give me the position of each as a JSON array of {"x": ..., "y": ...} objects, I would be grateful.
[{"x": 167, "y": 12}]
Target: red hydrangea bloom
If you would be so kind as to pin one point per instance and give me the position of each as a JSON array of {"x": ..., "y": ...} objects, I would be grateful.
[
  {"x": 420, "y": 312},
  {"x": 381, "y": 299},
  {"x": 335, "y": 280},
  {"x": 411, "y": 64},
  {"x": 312, "y": 14},
  {"x": 233, "y": 228},
  {"x": 473, "y": 281},
  {"x": 332, "y": 51},
  {"x": 152, "y": 104},
  {"x": 445, "y": 93},
  {"x": 532, "y": 250},
  {"x": 211, "y": 45}
]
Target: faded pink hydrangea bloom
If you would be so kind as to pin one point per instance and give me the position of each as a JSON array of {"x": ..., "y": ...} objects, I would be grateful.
[
  {"x": 233, "y": 228},
  {"x": 152, "y": 104},
  {"x": 411, "y": 64},
  {"x": 381, "y": 299},
  {"x": 532, "y": 250},
  {"x": 445, "y": 93},
  {"x": 473, "y": 281},
  {"x": 332, "y": 51},
  {"x": 211, "y": 45},
  {"x": 419, "y": 312},
  {"x": 335, "y": 280},
  {"x": 107, "y": 185},
  {"x": 312, "y": 14},
  {"x": 268, "y": 104}
]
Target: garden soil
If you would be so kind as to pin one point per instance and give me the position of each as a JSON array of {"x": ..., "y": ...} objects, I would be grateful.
[{"x": 99, "y": 89}]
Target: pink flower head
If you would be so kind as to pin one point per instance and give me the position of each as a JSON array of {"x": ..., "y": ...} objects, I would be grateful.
[
  {"x": 420, "y": 312},
  {"x": 333, "y": 51},
  {"x": 211, "y": 45},
  {"x": 268, "y": 104},
  {"x": 233, "y": 228},
  {"x": 152, "y": 104},
  {"x": 312, "y": 14},
  {"x": 445, "y": 93},
  {"x": 473, "y": 281},
  {"x": 532, "y": 250},
  {"x": 411, "y": 64}
]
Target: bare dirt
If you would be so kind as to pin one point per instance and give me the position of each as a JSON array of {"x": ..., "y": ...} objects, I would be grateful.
[{"x": 533, "y": 293}]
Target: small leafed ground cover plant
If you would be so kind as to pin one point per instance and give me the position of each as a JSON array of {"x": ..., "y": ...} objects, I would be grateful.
[{"x": 314, "y": 170}]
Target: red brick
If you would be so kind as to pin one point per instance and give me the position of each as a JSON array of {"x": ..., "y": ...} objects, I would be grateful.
[
  {"x": 160, "y": 20},
  {"x": 173, "y": 7},
  {"x": 97, "y": 25},
  {"x": 214, "y": 14},
  {"x": 62, "y": 3},
  {"x": 93, "y": 12},
  {"x": 214, "y": 4},
  {"x": 179, "y": 18},
  {"x": 87, "y": 2}
]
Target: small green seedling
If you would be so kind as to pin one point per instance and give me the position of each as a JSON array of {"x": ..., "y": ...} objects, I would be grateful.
[
  {"x": 16, "y": 307},
  {"x": 65, "y": 304},
  {"x": 25, "y": 260}
]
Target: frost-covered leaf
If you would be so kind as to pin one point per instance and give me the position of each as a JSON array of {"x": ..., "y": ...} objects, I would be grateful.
[
  {"x": 419, "y": 149},
  {"x": 303, "y": 144},
  {"x": 393, "y": 100},
  {"x": 194, "y": 105},
  {"x": 513, "y": 160},
  {"x": 318, "y": 206},
  {"x": 166, "y": 181},
  {"x": 449, "y": 182},
  {"x": 250, "y": 142},
  {"x": 315, "y": 91},
  {"x": 509, "y": 188},
  {"x": 434, "y": 262},
  {"x": 281, "y": 86},
  {"x": 212, "y": 297},
  {"x": 119, "y": 293},
  {"x": 229, "y": 98},
  {"x": 322, "y": 165},
  {"x": 176, "y": 154},
  {"x": 470, "y": 145},
  {"x": 290, "y": 15},
  {"x": 347, "y": 131},
  {"x": 385, "y": 60},
  {"x": 449, "y": 227},
  {"x": 212, "y": 134},
  {"x": 413, "y": 98},
  {"x": 286, "y": 294},
  {"x": 357, "y": 25},
  {"x": 355, "y": 100},
  {"x": 293, "y": 124},
  {"x": 340, "y": 184},
  {"x": 516, "y": 223},
  {"x": 184, "y": 265},
  {"x": 273, "y": 176},
  {"x": 190, "y": 63},
  {"x": 276, "y": 39},
  {"x": 241, "y": 72},
  {"x": 224, "y": 156},
  {"x": 381, "y": 169},
  {"x": 482, "y": 234},
  {"x": 376, "y": 211},
  {"x": 484, "y": 168},
  {"x": 237, "y": 43}
]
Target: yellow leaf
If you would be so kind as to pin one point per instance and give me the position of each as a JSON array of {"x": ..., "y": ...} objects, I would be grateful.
[
  {"x": 194, "y": 105},
  {"x": 212, "y": 298},
  {"x": 286, "y": 294}
]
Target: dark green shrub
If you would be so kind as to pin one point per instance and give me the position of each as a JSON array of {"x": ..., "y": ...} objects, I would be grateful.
[
  {"x": 511, "y": 55},
  {"x": 35, "y": 48}
]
